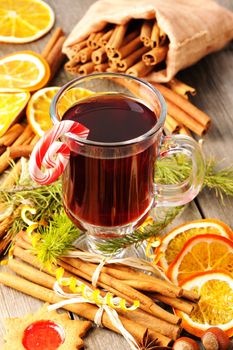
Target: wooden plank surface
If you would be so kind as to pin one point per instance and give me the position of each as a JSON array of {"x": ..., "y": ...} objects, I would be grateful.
[{"x": 213, "y": 78}]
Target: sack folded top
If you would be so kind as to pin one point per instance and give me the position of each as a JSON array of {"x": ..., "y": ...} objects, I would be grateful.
[{"x": 194, "y": 28}]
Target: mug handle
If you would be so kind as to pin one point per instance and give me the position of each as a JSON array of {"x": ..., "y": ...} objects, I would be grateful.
[{"x": 180, "y": 194}]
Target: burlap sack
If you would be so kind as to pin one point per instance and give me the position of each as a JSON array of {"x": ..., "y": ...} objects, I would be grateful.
[{"x": 194, "y": 27}]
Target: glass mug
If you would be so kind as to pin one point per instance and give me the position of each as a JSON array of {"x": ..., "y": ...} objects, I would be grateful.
[{"x": 108, "y": 185}]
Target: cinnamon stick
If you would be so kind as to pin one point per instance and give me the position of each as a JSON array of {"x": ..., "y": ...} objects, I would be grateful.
[
  {"x": 124, "y": 273},
  {"x": 139, "y": 69},
  {"x": 113, "y": 64},
  {"x": 155, "y": 56},
  {"x": 86, "y": 68},
  {"x": 162, "y": 36},
  {"x": 99, "y": 56},
  {"x": 114, "y": 53},
  {"x": 198, "y": 115},
  {"x": 25, "y": 136},
  {"x": 84, "y": 310},
  {"x": 31, "y": 260},
  {"x": 95, "y": 42},
  {"x": 181, "y": 88},
  {"x": 138, "y": 279},
  {"x": 150, "y": 287},
  {"x": 22, "y": 243},
  {"x": 85, "y": 54},
  {"x": 128, "y": 61},
  {"x": 112, "y": 69},
  {"x": 55, "y": 57},
  {"x": 171, "y": 124},
  {"x": 31, "y": 274},
  {"x": 52, "y": 41},
  {"x": 34, "y": 140},
  {"x": 127, "y": 49},
  {"x": 155, "y": 324},
  {"x": 90, "y": 39},
  {"x": 19, "y": 151},
  {"x": 11, "y": 135},
  {"x": 73, "y": 62},
  {"x": 145, "y": 302},
  {"x": 177, "y": 303},
  {"x": 184, "y": 118},
  {"x": 73, "y": 69},
  {"x": 101, "y": 67},
  {"x": 79, "y": 46},
  {"x": 146, "y": 31},
  {"x": 155, "y": 35},
  {"x": 105, "y": 38},
  {"x": 190, "y": 295},
  {"x": 117, "y": 37}
]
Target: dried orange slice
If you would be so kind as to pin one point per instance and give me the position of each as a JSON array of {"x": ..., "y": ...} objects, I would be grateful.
[
  {"x": 38, "y": 109},
  {"x": 11, "y": 106},
  {"x": 22, "y": 21},
  {"x": 174, "y": 241},
  {"x": 202, "y": 253},
  {"x": 215, "y": 307},
  {"x": 24, "y": 70},
  {"x": 38, "y": 115}
]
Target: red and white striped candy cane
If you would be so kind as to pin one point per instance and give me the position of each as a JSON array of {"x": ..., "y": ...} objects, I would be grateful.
[{"x": 52, "y": 154}]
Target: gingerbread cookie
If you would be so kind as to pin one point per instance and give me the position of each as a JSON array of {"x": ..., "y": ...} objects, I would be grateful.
[{"x": 45, "y": 330}]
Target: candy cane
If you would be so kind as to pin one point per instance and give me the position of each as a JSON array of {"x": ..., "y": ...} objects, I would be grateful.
[{"x": 52, "y": 154}]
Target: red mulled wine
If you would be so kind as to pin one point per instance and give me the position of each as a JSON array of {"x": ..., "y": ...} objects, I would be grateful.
[{"x": 116, "y": 190}]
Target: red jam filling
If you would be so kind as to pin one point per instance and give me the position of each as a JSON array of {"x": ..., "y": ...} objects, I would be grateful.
[{"x": 43, "y": 335}]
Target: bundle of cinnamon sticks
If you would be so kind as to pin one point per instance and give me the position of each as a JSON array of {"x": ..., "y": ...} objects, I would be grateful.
[
  {"x": 137, "y": 48},
  {"x": 121, "y": 281}
]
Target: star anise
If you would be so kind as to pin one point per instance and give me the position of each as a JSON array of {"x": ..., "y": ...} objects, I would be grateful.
[{"x": 151, "y": 344}]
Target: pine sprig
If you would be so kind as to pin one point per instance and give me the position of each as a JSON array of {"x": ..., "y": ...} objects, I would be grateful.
[
  {"x": 46, "y": 200},
  {"x": 173, "y": 170},
  {"x": 56, "y": 238},
  {"x": 111, "y": 246},
  {"x": 219, "y": 180}
]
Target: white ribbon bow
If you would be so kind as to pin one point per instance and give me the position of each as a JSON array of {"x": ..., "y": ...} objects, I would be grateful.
[{"x": 112, "y": 314}]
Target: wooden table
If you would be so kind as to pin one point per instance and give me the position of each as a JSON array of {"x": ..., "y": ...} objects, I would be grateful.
[{"x": 212, "y": 77}]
